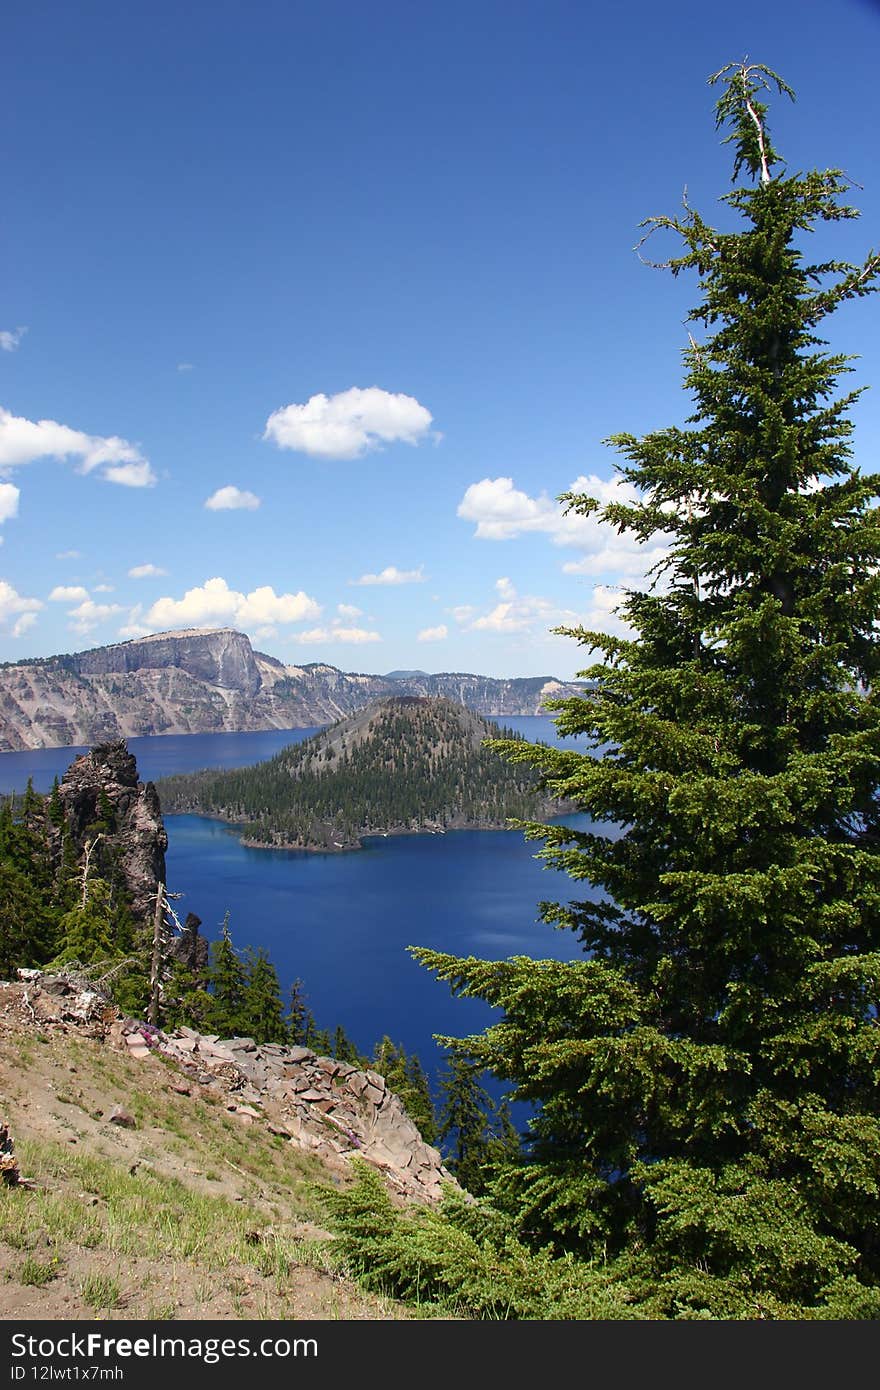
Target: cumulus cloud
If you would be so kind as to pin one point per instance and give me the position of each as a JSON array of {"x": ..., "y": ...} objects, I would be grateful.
[
  {"x": 138, "y": 474},
  {"x": 601, "y": 614},
  {"x": 69, "y": 555},
  {"x": 20, "y": 627},
  {"x": 632, "y": 562},
  {"x": 392, "y": 575},
  {"x": 68, "y": 593},
  {"x": 89, "y": 615},
  {"x": 533, "y": 614},
  {"x": 501, "y": 512},
  {"x": 9, "y": 495},
  {"x": 355, "y": 635},
  {"x": 17, "y": 613},
  {"x": 433, "y": 634},
  {"x": 349, "y": 424},
  {"x": 146, "y": 572},
  {"x": 214, "y": 604},
  {"x": 518, "y": 613},
  {"x": 184, "y": 366},
  {"x": 232, "y": 499},
  {"x": 134, "y": 627},
  {"x": 103, "y": 589},
  {"x": 22, "y": 441},
  {"x": 517, "y": 616},
  {"x": 10, "y": 338},
  {"x": 348, "y": 610},
  {"x": 462, "y": 612}
]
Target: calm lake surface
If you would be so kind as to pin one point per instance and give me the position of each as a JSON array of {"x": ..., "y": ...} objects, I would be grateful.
[{"x": 342, "y": 922}]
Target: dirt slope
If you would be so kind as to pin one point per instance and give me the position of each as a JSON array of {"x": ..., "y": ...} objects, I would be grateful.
[{"x": 189, "y": 1211}]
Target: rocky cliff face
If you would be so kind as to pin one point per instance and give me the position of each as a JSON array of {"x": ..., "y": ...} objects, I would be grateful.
[
  {"x": 213, "y": 681},
  {"x": 104, "y": 784},
  {"x": 222, "y": 658}
]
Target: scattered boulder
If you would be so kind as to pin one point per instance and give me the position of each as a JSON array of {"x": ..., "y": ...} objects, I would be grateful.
[
  {"x": 9, "y": 1174},
  {"x": 121, "y": 1117}
]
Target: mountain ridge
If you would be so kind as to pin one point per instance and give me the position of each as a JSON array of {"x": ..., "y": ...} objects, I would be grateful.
[{"x": 211, "y": 680}]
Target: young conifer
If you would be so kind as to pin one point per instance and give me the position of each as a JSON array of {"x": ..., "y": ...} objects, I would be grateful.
[{"x": 707, "y": 1075}]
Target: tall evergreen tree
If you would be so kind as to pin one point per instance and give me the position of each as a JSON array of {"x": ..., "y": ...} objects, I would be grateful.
[
  {"x": 262, "y": 1015},
  {"x": 406, "y": 1077},
  {"x": 300, "y": 1020},
  {"x": 707, "y": 1077},
  {"x": 227, "y": 983},
  {"x": 463, "y": 1129}
]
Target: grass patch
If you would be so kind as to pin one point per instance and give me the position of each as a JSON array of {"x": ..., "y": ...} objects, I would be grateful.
[
  {"x": 144, "y": 1213},
  {"x": 100, "y": 1291},
  {"x": 38, "y": 1273}
]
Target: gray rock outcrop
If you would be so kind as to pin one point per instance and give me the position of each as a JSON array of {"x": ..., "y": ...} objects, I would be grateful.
[
  {"x": 104, "y": 783},
  {"x": 221, "y": 658},
  {"x": 211, "y": 681}
]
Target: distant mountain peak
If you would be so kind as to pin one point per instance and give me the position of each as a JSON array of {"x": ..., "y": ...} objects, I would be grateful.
[{"x": 210, "y": 680}]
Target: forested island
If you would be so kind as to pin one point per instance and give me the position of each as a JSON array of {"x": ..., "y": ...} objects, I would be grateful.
[{"x": 405, "y": 764}]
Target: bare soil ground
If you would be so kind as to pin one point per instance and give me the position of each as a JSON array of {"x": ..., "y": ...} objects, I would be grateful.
[{"x": 191, "y": 1213}]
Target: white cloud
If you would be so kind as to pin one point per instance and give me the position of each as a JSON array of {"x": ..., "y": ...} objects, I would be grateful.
[
  {"x": 356, "y": 635},
  {"x": 68, "y": 593},
  {"x": 146, "y": 572},
  {"x": 601, "y": 615},
  {"x": 502, "y": 512},
  {"x": 505, "y": 617},
  {"x": 26, "y": 621},
  {"x": 349, "y": 424},
  {"x": 232, "y": 499},
  {"x": 9, "y": 495},
  {"x": 138, "y": 474},
  {"x": 633, "y": 561},
  {"x": 433, "y": 634},
  {"x": 69, "y": 555},
  {"x": 505, "y": 588},
  {"x": 214, "y": 604},
  {"x": 348, "y": 610},
  {"x": 17, "y": 613},
  {"x": 392, "y": 575},
  {"x": 10, "y": 338},
  {"x": 134, "y": 627},
  {"x": 184, "y": 366},
  {"x": 89, "y": 615},
  {"x": 523, "y": 614},
  {"x": 22, "y": 441},
  {"x": 532, "y": 614},
  {"x": 103, "y": 589},
  {"x": 462, "y": 612}
]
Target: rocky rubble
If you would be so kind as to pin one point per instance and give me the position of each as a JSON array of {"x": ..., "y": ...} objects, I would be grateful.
[{"x": 319, "y": 1104}]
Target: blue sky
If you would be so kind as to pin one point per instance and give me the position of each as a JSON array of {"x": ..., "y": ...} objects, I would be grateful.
[{"x": 310, "y": 311}]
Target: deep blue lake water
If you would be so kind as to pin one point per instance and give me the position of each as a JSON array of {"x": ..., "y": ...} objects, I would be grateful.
[{"x": 343, "y": 922}]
